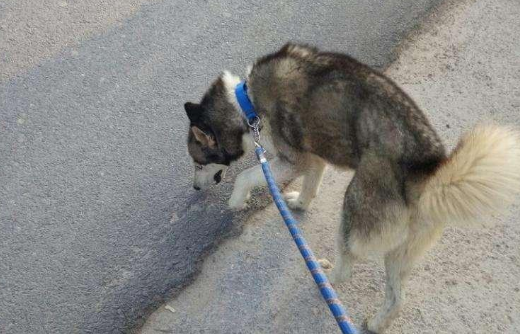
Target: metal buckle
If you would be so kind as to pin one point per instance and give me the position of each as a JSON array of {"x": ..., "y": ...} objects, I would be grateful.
[{"x": 254, "y": 124}]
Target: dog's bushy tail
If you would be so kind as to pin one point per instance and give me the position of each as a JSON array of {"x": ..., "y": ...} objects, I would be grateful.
[{"x": 480, "y": 178}]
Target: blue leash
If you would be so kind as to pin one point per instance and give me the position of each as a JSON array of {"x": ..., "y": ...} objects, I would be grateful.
[{"x": 328, "y": 293}]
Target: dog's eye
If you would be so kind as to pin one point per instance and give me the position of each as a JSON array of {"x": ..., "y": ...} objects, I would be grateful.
[{"x": 199, "y": 167}]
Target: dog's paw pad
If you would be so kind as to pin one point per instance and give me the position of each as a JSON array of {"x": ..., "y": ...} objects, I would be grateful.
[
  {"x": 325, "y": 264},
  {"x": 237, "y": 207},
  {"x": 291, "y": 195},
  {"x": 294, "y": 202},
  {"x": 237, "y": 204}
]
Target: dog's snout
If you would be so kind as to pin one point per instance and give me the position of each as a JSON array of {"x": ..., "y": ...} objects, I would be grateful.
[
  {"x": 196, "y": 187},
  {"x": 218, "y": 177}
]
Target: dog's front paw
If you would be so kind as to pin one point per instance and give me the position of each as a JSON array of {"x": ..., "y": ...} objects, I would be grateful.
[
  {"x": 335, "y": 274},
  {"x": 238, "y": 203},
  {"x": 295, "y": 202},
  {"x": 325, "y": 264},
  {"x": 331, "y": 272}
]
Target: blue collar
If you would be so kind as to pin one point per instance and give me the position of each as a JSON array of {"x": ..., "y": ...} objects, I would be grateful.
[{"x": 245, "y": 102}]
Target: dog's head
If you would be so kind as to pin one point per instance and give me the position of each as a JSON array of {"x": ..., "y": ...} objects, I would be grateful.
[
  {"x": 216, "y": 131},
  {"x": 209, "y": 158}
]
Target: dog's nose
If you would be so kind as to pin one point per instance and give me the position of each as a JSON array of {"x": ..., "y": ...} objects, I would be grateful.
[
  {"x": 196, "y": 187},
  {"x": 218, "y": 177}
]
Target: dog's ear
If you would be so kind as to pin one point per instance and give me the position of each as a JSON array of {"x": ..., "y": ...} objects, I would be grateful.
[
  {"x": 203, "y": 138},
  {"x": 193, "y": 110}
]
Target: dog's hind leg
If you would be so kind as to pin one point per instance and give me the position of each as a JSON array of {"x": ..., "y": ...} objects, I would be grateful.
[
  {"x": 344, "y": 259},
  {"x": 312, "y": 177},
  {"x": 374, "y": 215},
  {"x": 398, "y": 264}
]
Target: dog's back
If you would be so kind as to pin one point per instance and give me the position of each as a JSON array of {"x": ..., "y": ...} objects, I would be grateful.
[{"x": 332, "y": 106}]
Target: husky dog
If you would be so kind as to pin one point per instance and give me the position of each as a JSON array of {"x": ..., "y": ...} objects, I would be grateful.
[{"x": 320, "y": 108}]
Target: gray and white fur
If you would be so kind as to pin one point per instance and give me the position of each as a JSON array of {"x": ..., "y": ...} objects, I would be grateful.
[{"x": 322, "y": 108}]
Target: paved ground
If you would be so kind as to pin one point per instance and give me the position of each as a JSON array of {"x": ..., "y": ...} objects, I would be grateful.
[
  {"x": 99, "y": 222},
  {"x": 462, "y": 67}
]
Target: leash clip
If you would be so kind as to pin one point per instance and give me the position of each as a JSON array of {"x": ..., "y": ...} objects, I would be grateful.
[{"x": 254, "y": 124}]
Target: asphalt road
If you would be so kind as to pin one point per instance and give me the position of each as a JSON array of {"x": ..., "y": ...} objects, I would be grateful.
[{"x": 98, "y": 220}]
